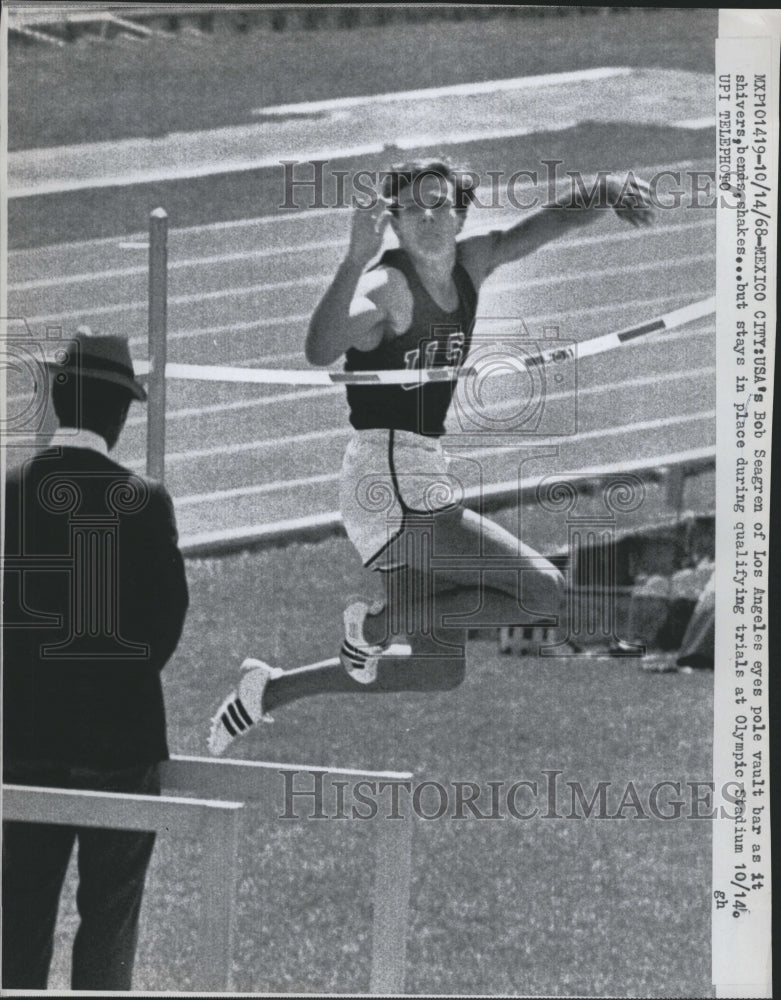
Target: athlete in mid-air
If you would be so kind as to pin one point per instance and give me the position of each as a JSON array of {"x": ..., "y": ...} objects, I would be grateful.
[{"x": 415, "y": 309}]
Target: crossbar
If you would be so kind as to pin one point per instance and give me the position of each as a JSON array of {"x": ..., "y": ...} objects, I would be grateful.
[{"x": 38, "y": 36}]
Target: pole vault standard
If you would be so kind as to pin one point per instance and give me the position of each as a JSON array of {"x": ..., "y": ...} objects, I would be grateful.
[{"x": 158, "y": 318}]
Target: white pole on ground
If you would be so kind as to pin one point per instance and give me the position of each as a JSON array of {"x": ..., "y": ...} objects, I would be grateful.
[
  {"x": 392, "y": 873},
  {"x": 158, "y": 309},
  {"x": 220, "y": 838}
]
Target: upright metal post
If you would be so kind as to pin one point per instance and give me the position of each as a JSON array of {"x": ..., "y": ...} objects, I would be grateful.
[
  {"x": 390, "y": 924},
  {"x": 220, "y": 838},
  {"x": 158, "y": 309}
]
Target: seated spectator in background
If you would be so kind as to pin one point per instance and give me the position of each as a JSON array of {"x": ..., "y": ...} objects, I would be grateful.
[
  {"x": 666, "y": 614},
  {"x": 95, "y": 598},
  {"x": 699, "y": 645}
]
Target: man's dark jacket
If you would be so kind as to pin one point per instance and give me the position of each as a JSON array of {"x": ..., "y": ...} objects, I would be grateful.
[{"x": 95, "y": 597}]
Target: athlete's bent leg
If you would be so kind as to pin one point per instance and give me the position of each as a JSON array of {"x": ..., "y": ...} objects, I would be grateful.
[{"x": 464, "y": 571}]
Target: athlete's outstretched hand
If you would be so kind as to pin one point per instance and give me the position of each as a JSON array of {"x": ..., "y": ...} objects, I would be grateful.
[
  {"x": 631, "y": 199},
  {"x": 368, "y": 226}
]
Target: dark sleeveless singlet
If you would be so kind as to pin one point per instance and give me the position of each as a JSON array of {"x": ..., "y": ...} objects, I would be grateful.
[{"x": 436, "y": 338}]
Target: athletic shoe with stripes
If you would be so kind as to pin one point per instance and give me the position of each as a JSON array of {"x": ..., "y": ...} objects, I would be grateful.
[
  {"x": 358, "y": 657},
  {"x": 530, "y": 639},
  {"x": 527, "y": 639},
  {"x": 243, "y": 707}
]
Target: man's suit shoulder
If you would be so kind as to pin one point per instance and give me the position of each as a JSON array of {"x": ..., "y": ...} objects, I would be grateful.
[{"x": 151, "y": 495}]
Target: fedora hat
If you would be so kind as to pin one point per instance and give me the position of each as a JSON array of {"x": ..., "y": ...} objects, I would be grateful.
[{"x": 99, "y": 356}]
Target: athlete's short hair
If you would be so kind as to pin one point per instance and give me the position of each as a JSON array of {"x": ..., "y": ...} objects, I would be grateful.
[{"x": 410, "y": 174}]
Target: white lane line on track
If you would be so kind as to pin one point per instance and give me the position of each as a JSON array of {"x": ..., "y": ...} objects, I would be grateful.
[
  {"x": 602, "y": 432},
  {"x": 335, "y": 432},
  {"x": 238, "y": 327},
  {"x": 288, "y": 215},
  {"x": 173, "y": 265},
  {"x": 453, "y": 90},
  {"x": 244, "y": 255},
  {"x": 258, "y": 490},
  {"x": 322, "y": 281},
  {"x": 214, "y": 152},
  {"x": 695, "y": 123},
  {"x": 243, "y": 404},
  {"x": 177, "y": 172},
  {"x": 261, "y": 489},
  {"x": 330, "y": 520},
  {"x": 181, "y": 172},
  {"x": 296, "y": 318}
]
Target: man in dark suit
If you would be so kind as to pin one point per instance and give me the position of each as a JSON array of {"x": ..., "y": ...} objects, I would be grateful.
[{"x": 95, "y": 597}]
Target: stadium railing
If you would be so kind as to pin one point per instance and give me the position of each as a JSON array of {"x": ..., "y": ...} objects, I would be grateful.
[
  {"x": 165, "y": 19},
  {"x": 216, "y": 823}
]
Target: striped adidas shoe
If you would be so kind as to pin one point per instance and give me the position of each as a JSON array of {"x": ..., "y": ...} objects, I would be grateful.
[
  {"x": 243, "y": 707},
  {"x": 358, "y": 657},
  {"x": 524, "y": 640}
]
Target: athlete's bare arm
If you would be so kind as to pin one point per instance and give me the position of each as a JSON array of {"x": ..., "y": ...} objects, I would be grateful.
[
  {"x": 630, "y": 200},
  {"x": 358, "y": 306}
]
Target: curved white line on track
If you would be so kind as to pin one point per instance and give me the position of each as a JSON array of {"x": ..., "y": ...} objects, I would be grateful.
[
  {"x": 173, "y": 265},
  {"x": 57, "y": 281},
  {"x": 322, "y": 281},
  {"x": 280, "y": 485},
  {"x": 236, "y": 327},
  {"x": 285, "y": 216},
  {"x": 452, "y": 90},
  {"x": 602, "y": 432},
  {"x": 347, "y": 129},
  {"x": 329, "y": 520},
  {"x": 297, "y": 318},
  {"x": 343, "y": 430}
]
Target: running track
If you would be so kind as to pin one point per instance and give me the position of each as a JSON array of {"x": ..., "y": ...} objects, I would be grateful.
[
  {"x": 243, "y": 455},
  {"x": 241, "y": 293}
]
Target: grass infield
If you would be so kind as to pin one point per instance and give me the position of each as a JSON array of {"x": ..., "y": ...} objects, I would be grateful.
[{"x": 583, "y": 907}]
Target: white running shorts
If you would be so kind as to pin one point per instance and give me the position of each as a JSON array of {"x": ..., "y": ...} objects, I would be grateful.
[{"x": 389, "y": 477}]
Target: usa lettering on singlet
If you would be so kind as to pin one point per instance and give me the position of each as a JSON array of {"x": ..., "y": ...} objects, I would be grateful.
[{"x": 436, "y": 338}]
